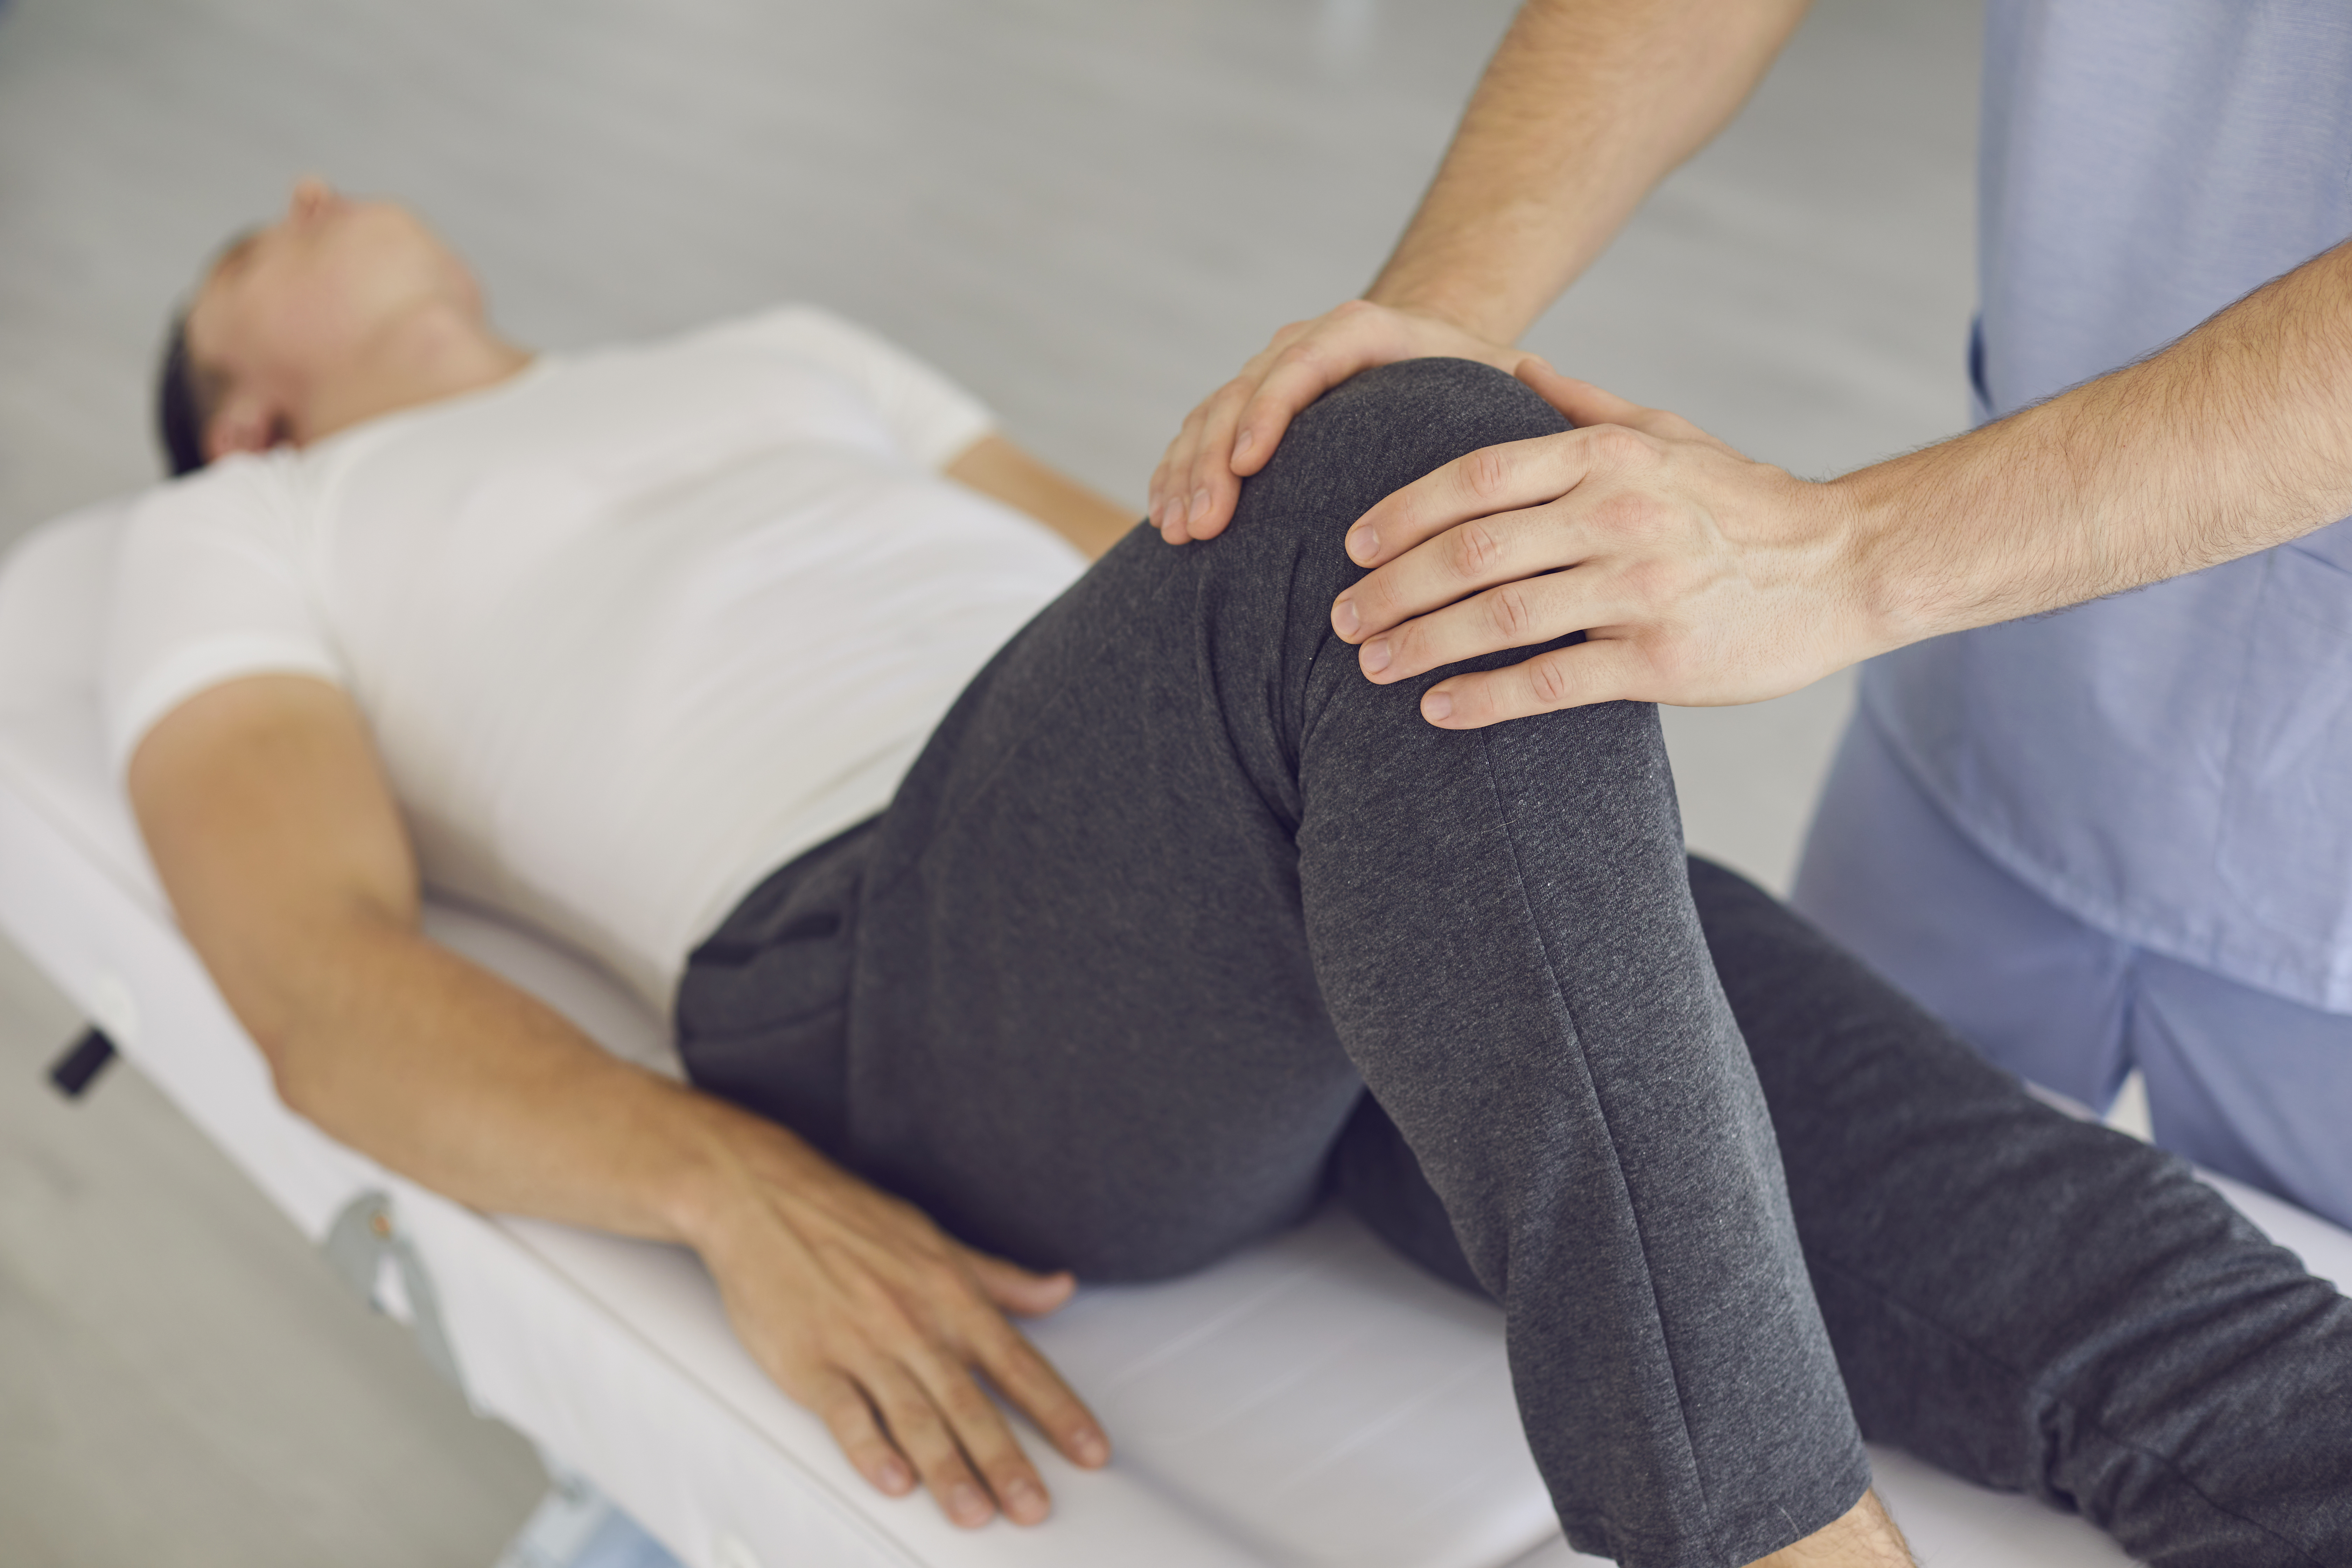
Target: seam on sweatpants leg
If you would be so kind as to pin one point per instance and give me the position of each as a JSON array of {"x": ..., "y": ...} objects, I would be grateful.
[
  {"x": 1568, "y": 1008},
  {"x": 1972, "y": 1348}
]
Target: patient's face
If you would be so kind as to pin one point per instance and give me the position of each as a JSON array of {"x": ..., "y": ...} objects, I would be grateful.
[{"x": 292, "y": 301}]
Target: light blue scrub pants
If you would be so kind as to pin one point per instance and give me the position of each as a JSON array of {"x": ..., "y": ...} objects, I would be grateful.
[{"x": 2240, "y": 1080}]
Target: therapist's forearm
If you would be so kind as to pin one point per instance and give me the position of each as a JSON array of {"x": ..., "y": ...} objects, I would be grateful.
[
  {"x": 1587, "y": 105},
  {"x": 2237, "y": 437}
]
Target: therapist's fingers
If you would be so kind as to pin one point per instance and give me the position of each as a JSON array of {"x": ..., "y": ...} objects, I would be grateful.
[
  {"x": 1516, "y": 549},
  {"x": 1516, "y": 613},
  {"x": 1198, "y": 459},
  {"x": 1236, "y": 430},
  {"x": 1300, "y": 366},
  {"x": 1507, "y": 477},
  {"x": 1600, "y": 670},
  {"x": 1166, "y": 503},
  {"x": 1209, "y": 489}
]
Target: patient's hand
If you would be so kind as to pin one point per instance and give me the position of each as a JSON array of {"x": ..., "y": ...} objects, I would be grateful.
[
  {"x": 868, "y": 1313},
  {"x": 1236, "y": 430}
]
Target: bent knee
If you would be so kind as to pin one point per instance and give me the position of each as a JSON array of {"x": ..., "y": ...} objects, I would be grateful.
[{"x": 1369, "y": 436}]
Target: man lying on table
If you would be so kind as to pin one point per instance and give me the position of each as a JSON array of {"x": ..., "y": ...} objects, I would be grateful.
[{"x": 1173, "y": 926}]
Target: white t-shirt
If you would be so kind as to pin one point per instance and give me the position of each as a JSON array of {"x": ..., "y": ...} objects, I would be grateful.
[{"x": 631, "y": 629}]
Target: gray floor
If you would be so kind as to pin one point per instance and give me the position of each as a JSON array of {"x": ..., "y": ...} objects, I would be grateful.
[{"x": 1090, "y": 212}]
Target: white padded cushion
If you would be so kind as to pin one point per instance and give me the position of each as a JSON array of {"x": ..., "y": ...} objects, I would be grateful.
[{"x": 1315, "y": 1401}]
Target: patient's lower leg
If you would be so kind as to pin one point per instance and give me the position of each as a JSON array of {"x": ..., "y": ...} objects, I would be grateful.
[{"x": 2037, "y": 1303}]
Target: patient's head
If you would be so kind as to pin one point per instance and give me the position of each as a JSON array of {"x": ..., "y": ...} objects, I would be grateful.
[{"x": 338, "y": 310}]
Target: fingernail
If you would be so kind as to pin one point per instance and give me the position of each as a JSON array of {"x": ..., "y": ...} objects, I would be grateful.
[
  {"x": 966, "y": 1505},
  {"x": 1362, "y": 545},
  {"x": 1199, "y": 504},
  {"x": 1344, "y": 619},
  {"x": 1087, "y": 1446},
  {"x": 1375, "y": 655},
  {"x": 1437, "y": 707},
  {"x": 1242, "y": 443},
  {"x": 1025, "y": 1500},
  {"x": 893, "y": 1477}
]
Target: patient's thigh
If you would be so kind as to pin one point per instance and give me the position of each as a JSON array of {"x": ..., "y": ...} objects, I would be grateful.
[{"x": 1087, "y": 1029}]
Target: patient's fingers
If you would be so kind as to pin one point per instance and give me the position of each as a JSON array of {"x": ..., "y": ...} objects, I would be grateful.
[
  {"x": 849, "y": 1416},
  {"x": 981, "y": 1429},
  {"x": 1013, "y": 1363},
  {"x": 921, "y": 1432},
  {"x": 1037, "y": 1391}
]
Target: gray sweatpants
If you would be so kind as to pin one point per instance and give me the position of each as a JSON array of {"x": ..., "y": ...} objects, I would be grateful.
[{"x": 1174, "y": 886}]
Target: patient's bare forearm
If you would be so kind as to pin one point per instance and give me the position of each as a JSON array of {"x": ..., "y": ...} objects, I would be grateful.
[
  {"x": 1587, "y": 106},
  {"x": 278, "y": 839},
  {"x": 421, "y": 1060},
  {"x": 996, "y": 467}
]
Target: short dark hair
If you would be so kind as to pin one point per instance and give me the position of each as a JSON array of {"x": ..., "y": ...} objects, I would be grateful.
[
  {"x": 185, "y": 398},
  {"x": 188, "y": 395}
]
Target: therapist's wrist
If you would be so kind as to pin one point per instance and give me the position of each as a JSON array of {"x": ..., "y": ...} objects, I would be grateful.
[
  {"x": 1897, "y": 556},
  {"x": 1481, "y": 309}
]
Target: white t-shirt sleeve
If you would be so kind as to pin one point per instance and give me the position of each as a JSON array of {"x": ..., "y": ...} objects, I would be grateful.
[
  {"x": 209, "y": 586},
  {"x": 930, "y": 418}
]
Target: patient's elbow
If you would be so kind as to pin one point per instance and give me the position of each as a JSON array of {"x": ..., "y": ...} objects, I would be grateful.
[
  {"x": 305, "y": 1070},
  {"x": 309, "y": 994},
  {"x": 297, "y": 1075}
]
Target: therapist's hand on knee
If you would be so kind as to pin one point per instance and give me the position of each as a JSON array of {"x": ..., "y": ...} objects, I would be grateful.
[
  {"x": 1699, "y": 576},
  {"x": 873, "y": 1318},
  {"x": 1232, "y": 434}
]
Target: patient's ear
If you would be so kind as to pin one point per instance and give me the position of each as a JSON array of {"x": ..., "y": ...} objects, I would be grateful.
[{"x": 245, "y": 422}]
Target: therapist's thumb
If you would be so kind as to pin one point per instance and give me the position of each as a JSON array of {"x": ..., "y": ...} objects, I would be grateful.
[
  {"x": 1584, "y": 404},
  {"x": 1579, "y": 400}
]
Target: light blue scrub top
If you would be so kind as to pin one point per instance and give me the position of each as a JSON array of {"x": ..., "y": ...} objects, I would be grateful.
[{"x": 2173, "y": 765}]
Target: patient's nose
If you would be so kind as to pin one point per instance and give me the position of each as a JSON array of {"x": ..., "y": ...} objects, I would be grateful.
[{"x": 312, "y": 195}]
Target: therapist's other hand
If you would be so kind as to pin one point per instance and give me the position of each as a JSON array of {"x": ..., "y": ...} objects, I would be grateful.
[
  {"x": 1699, "y": 576},
  {"x": 869, "y": 1315},
  {"x": 1232, "y": 434}
]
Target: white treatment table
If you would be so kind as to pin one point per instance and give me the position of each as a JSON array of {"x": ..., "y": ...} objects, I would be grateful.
[{"x": 1312, "y": 1402}]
